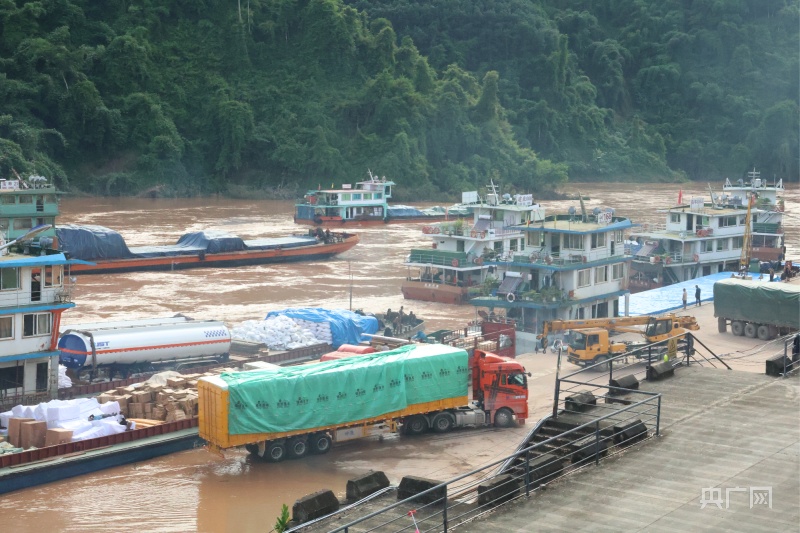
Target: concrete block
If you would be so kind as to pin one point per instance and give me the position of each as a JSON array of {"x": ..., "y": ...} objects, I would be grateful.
[
  {"x": 413, "y": 485},
  {"x": 660, "y": 370},
  {"x": 776, "y": 365},
  {"x": 630, "y": 432},
  {"x": 623, "y": 384},
  {"x": 498, "y": 490},
  {"x": 365, "y": 485},
  {"x": 580, "y": 402},
  {"x": 314, "y": 505},
  {"x": 587, "y": 448},
  {"x": 544, "y": 468}
]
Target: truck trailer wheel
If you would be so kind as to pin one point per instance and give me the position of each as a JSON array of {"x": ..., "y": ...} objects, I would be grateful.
[
  {"x": 750, "y": 330},
  {"x": 504, "y": 418},
  {"x": 722, "y": 325},
  {"x": 764, "y": 333},
  {"x": 416, "y": 425},
  {"x": 737, "y": 328},
  {"x": 442, "y": 423},
  {"x": 296, "y": 447},
  {"x": 601, "y": 363},
  {"x": 320, "y": 443},
  {"x": 275, "y": 452}
]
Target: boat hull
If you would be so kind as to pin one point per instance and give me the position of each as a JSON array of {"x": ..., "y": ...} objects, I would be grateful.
[
  {"x": 231, "y": 259},
  {"x": 434, "y": 292},
  {"x": 54, "y": 463}
]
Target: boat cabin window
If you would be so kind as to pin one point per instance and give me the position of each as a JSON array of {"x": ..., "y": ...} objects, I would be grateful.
[
  {"x": 367, "y": 196},
  {"x": 9, "y": 199},
  {"x": 36, "y": 324},
  {"x": 52, "y": 276},
  {"x": 346, "y": 197},
  {"x": 23, "y": 223},
  {"x": 356, "y": 196},
  {"x": 25, "y": 199},
  {"x": 377, "y": 195},
  {"x": 9, "y": 279},
  {"x": 6, "y": 328},
  {"x": 675, "y": 218},
  {"x": 11, "y": 377}
]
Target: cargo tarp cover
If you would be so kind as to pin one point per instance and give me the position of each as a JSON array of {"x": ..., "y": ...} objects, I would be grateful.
[
  {"x": 213, "y": 242},
  {"x": 344, "y": 390},
  {"x": 92, "y": 242},
  {"x": 774, "y": 303},
  {"x": 347, "y": 327},
  {"x": 400, "y": 211}
]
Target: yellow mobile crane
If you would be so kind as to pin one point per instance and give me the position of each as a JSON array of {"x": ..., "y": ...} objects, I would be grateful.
[{"x": 590, "y": 343}]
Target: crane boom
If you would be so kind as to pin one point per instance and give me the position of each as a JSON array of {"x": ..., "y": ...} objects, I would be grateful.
[{"x": 622, "y": 323}]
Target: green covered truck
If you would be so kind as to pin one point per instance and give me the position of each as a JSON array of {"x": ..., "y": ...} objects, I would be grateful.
[{"x": 756, "y": 308}]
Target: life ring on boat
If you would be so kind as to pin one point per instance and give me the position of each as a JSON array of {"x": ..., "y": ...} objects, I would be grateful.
[
  {"x": 318, "y": 220},
  {"x": 426, "y": 230},
  {"x": 473, "y": 234},
  {"x": 454, "y": 263},
  {"x": 510, "y": 297},
  {"x": 483, "y": 235},
  {"x": 435, "y": 230},
  {"x": 695, "y": 258},
  {"x": 478, "y": 261}
]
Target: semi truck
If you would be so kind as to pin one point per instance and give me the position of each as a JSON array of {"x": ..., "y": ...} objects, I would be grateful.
[
  {"x": 757, "y": 309},
  {"x": 590, "y": 343},
  {"x": 294, "y": 411}
]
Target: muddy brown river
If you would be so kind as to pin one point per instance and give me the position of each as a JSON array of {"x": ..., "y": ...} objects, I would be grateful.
[{"x": 199, "y": 491}]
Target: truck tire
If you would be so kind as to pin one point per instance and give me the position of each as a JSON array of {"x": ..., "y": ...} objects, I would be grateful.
[
  {"x": 750, "y": 330},
  {"x": 416, "y": 425},
  {"x": 601, "y": 364},
  {"x": 737, "y": 328},
  {"x": 275, "y": 452},
  {"x": 320, "y": 443},
  {"x": 764, "y": 333},
  {"x": 504, "y": 418},
  {"x": 296, "y": 447},
  {"x": 442, "y": 423},
  {"x": 722, "y": 325}
]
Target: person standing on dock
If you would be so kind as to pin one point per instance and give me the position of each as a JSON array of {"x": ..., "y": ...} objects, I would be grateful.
[
  {"x": 685, "y": 296},
  {"x": 697, "y": 295}
]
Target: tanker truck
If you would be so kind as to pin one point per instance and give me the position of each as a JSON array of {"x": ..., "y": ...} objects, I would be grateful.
[
  {"x": 140, "y": 344},
  {"x": 293, "y": 411},
  {"x": 757, "y": 309}
]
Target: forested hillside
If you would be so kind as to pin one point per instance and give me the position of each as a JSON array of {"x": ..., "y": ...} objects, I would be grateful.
[{"x": 117, "y": 96}]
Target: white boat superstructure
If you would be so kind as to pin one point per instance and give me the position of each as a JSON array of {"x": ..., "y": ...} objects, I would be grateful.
[{"x": 704, "y": 237}]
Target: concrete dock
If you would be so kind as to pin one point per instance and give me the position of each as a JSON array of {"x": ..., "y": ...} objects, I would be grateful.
[{"x": 726, "y": 435}]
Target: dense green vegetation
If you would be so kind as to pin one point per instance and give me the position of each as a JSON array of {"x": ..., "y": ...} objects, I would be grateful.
[{"x": 117, "y": 96}]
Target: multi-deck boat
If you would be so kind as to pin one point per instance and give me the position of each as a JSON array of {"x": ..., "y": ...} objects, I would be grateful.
[
  {"x": 366, "y": 204},
  {"x": 703, "y": 237},
  {"x": 458, "y": 261}
]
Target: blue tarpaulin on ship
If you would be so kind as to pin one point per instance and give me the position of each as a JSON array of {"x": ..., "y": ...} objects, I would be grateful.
[
  {"x": 400, "y": 211},
  {"x": 346, "y": 326},
  {"x": 669, "y": 298},
  {"x": 213, "y": 242},
  {"x": 92, "y": 242}
]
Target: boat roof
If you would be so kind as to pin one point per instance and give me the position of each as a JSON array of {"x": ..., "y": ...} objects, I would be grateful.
[
  {"x": 12, "y": 260},
  {"x": 574, "y": 224}
]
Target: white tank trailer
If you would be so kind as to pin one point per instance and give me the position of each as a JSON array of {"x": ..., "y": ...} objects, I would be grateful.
[{"x": 178, "y": 340}]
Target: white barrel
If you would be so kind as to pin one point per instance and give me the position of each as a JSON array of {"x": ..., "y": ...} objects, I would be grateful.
[{"x": 143, "y": 343}]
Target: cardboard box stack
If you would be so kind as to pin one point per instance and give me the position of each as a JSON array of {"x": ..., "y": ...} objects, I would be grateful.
[{"x": 174, "y": 400}]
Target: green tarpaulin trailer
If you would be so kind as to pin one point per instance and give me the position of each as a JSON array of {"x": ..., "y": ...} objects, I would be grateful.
[{"x": 755, "y": 308}]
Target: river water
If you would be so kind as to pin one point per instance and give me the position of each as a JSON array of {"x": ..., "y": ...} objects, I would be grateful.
[{"x": 198, "y": 491}]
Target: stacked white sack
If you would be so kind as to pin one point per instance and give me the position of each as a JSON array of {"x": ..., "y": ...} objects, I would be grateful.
[
  {"x": 64, "y": 382},
  {"x": 74, "y": 415},
  {"x": 278, "y": 333}
]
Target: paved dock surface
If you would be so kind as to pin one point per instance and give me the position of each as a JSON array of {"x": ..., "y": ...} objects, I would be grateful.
[{"x": 725, "y": 434}]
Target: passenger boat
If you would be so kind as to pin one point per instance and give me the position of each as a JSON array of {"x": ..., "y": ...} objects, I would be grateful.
[
  {"x": 366, "y": 204},
  {"x": 107, "y": 250},
  {"x": 460, "y": 253},
  {"x": 702, "y": 237}
]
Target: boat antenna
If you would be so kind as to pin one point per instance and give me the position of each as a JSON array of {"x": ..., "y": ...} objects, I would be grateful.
[
  {"x": 584, "y": 216},
  {"x": 713, "y": 196}
]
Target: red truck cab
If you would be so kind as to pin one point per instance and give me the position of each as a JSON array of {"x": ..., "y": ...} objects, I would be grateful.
[{"x": 500, "y": 386}]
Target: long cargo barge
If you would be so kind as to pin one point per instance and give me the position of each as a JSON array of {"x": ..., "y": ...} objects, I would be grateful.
[{"x": 90, "y": 243}]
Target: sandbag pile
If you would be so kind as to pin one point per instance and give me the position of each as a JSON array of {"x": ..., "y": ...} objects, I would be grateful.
[{"x": 282, "y": 333}]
